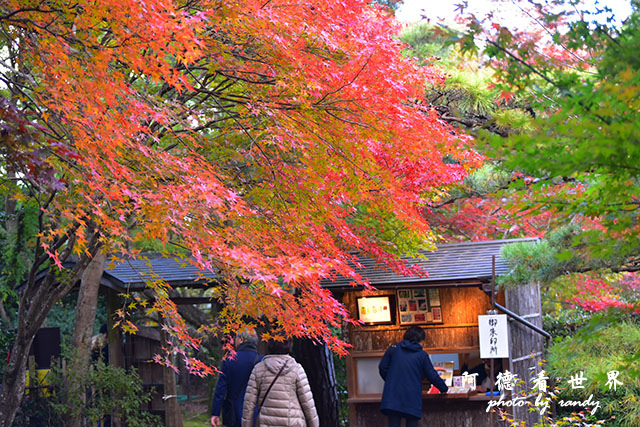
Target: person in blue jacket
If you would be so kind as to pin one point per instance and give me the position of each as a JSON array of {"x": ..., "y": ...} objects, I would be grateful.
[
  {"x": 234, "y": 377},
  {"x": 403, "y": 368}
]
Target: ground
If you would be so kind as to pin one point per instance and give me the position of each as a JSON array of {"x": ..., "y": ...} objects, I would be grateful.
[{"x": 195, "y": 413}]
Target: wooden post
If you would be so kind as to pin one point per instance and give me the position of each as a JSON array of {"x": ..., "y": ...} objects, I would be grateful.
[
  {"x": 114, "y": 334},
  {"x": 173, "y": 417},
  {"x": 493, "y": 307},
  {"x": 114, "y": 339}
]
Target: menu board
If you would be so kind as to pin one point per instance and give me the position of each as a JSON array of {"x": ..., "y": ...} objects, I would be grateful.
[{"x": 419, "y": 305}]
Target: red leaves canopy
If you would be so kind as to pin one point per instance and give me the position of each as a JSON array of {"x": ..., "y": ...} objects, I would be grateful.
[{"x": 268, "y": 138}]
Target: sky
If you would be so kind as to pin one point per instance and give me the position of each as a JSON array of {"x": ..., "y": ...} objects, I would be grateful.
[{"x": 412, "y": 11}]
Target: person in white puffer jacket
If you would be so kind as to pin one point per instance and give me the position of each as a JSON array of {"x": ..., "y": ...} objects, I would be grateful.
[{"x": 289, "y": 402}]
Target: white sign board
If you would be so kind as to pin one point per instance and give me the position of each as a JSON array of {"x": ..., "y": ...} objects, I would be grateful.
[
  {"x": 494, "y": 336},
  {"x": 374, "y": 309}
]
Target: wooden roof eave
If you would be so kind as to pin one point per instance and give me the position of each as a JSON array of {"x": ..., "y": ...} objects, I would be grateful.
[{"x": 415, "y": 284}]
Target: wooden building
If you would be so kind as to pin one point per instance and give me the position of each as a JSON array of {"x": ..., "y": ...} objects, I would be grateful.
[
  {"x": 137, "y": 351},
  {"x": 131, "y": 276},
  {"x": 446, "y": 304}
]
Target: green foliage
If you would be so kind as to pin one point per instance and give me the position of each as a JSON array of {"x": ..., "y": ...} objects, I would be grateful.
[
  {"x": 37, "y": 411},
  {"x": 487, "y": 179},
  {"x": 388, "y": 227},
  {"x": 109, "y": 390},
  {"x": 62, "y": 316},
  {"x": 429, "y": 43},
  {"x": 596, "y": 350},
  {"x": 340, "y": 366},
  {"x": 562, "y": 251},
  {"x": 558, "y": 263},
  {"x": 529, "y": 262},
  {"x": 585, "y": 136},
  {"x": 469, "y": 97},
  {"x": 197, "y": 420},
  {"x": 515, "y": 119},
  {"x": 7, "y": 336},
  {"x": 17, "y": 231},
  {"x": 468, "y": 92},
  {"x": 565, "y": 322}
]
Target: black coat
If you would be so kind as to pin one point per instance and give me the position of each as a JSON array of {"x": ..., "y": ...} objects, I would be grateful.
[{"x": 403, "y": 368}]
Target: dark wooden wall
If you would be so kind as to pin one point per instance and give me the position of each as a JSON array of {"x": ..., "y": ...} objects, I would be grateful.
[
  {"x": 139, "y": 351},
  {"x": 459, "y": 330},
  {"x": 435, "y": 413}
]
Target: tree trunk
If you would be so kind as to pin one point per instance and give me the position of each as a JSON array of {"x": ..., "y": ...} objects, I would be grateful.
[
  {"x": 35, "y": 304},
  {"x": 172, "y": 417},
  {"x": 85, "y": 317},
  {"x": 317, "y": 362},
  {"x": 13, "y": 381},
  {"x": 36, "y": 300}
]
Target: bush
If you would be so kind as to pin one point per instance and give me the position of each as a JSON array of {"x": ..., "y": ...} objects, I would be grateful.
[
  {"x": 596, "y": 350},
  {"x": 565, "y": 322},
  {"x": 109, "y": 390},
  {"x": 36, "y": 411}
]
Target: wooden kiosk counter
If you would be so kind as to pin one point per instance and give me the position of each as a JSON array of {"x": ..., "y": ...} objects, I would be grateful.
[{"x": 447, "y": 305}]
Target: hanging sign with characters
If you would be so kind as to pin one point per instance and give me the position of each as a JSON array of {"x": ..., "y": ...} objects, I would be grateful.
[{"x": 494, "y": 338}]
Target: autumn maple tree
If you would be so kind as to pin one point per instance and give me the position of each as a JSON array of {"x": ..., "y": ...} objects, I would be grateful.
[{"x": 268, "y": 140}]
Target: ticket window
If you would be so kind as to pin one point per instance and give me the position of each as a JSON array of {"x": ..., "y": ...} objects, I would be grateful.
[{"x": 368, "y": 381}]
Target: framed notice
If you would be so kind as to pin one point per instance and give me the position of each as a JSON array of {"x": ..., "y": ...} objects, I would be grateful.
[
  {"x": 434, "y": 297},
  {"x": 494, "y": 336},
  {"x": 419, "y": 305},
  {"x": 376, "y": 310}
]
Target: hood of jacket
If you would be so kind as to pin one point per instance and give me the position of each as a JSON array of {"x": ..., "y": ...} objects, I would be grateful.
[
  {"x": 247, "y": 346},
  {"x": 274, "y": 362},
  {"x": 410, "y": 345}
]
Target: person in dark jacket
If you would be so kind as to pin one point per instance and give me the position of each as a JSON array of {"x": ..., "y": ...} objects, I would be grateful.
[
  {"x": 403, "y": 367},
  {"x": 233, "y": 380}
]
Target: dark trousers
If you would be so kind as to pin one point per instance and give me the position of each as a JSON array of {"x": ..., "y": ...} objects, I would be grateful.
[{"x": 395, "y": 419}]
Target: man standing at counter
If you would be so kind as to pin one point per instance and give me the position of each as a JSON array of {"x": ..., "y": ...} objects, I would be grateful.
[{"x": 403, "y": 367}]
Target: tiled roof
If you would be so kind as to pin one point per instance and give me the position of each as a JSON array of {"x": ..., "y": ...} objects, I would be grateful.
[
  {"x": 133, "y": 274},
  {"x": 449, "y": 263}
]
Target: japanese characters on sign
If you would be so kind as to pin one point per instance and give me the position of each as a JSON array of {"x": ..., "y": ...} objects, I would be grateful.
[
  {"x": 507, "y": 381},
  {"x": 494, "y": 338}
]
